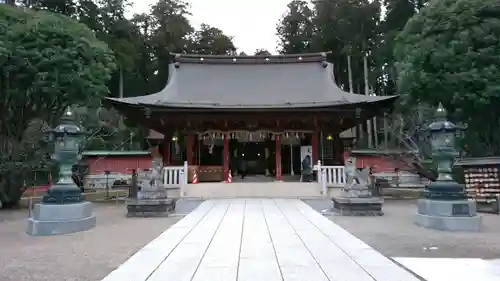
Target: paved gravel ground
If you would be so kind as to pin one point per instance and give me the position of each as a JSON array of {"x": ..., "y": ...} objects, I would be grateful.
[
  {"x": 91, "y": 255},
  {"x": 395, "y": 235},
  {"x": 84, "y": 256}
]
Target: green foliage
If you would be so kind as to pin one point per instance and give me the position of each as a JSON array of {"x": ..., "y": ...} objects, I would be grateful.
[
  {"x": 344, "y": 27},
  {"x": 65, "y": 7},
  {"x": 261, "y": 52},
  {"x": 48, "y": 62},
  {"x": 295, "y": 30},
  {"x": 211, "y": 41},
  {"x": 349, "y": 27},
  {"x": 450, "y": 53},
  {"x": 108, "y": 132}
]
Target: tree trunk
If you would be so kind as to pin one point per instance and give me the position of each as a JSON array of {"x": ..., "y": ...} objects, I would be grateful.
[
  {"x": 386, "y": 131},
  {"x": 349, "y": 72},
  {"x": 120, "y": 93},
  {"x": 367, "y": 92},
  {"x": 11, "y": 188},
  {"x": 375, "y": 127},
  {"x": 356, "y": 131}
]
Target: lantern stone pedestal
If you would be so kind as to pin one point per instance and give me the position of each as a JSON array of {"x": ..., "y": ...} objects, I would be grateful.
[
  {"x": 448, "y": 214},
  {"x": 63, "y": 209},
  {"x": 53, "y": 219}
]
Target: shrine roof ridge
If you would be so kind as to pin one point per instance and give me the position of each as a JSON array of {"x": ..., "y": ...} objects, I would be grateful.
[{"x": 255, "y": 59}]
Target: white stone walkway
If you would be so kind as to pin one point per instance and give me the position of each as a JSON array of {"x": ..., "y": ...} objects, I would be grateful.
[
  {"x": 456, "y": 269},
  {"x": 257, "y": 239}
]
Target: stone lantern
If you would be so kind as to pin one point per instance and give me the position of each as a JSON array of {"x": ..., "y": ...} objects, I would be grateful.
[
  {"x": 445, "y": 205},
  {"x": 67, "y": 140},
  {"x": 442, "y": 137},
  {"x": 63, "y": 209}
]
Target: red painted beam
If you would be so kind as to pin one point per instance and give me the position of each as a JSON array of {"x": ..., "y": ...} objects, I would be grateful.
[
  {"x": 278, "y": 157},
  {"x": 168, "y": 148},
  {"x": 190, "y": 150},
  {"x": 226, "y": 156},
  {"x": 314, "y": 144}
]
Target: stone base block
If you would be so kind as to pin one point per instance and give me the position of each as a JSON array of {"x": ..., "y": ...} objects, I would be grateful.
[
  {"x": 352, "y": 206},
  {"x": 454, "y": 215},
  {"x": 150, "y": 208},
  {"x": 54, "y": 219},
  {"x": 472, "y": 224}
]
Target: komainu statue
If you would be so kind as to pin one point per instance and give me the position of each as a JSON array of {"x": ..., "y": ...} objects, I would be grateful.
[{"x": 357, "y": 182}]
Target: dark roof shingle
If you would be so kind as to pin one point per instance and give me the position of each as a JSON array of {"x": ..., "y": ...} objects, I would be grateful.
[{"x": 285, "y": 81}]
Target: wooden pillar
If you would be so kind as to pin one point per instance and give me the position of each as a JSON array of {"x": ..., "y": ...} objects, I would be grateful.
[
  {"x": 338, "y": 146},
  {"x": 314, "y": 144},
  {"x": 166, "y": 153},
  {"x": 226, "y": 156},
  {"x": 165, "y": 149},
  {"x": 278, "y": 157},
  {"x": 190, "y": 150}
]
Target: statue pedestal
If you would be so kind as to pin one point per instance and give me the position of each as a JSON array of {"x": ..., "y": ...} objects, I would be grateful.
[
  {"x": 356, "y": 198},
  {"x": 358, "y": 206},
  {"x": 150, "y": 202},
  {"x": 54, "y": 219},
  {"x": 448, "y": 215}
]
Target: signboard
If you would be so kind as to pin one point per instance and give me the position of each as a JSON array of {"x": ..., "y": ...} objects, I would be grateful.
[
  {"x": 461, "y": 209},
  {"x": 304, "y": 152}
]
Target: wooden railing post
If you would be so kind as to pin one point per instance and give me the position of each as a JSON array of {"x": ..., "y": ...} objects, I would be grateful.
[
  {"x": 318, "y": 172},
  {"x": 185, "y": 170},
  {"x": 323, "y": 182}
]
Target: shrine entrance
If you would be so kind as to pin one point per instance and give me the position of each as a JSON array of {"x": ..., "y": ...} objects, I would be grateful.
[
  {"x": 212, "y": 107},
  {"x": 253, "y": 152},
  {"x": 256, "y": 151},
  {"x": 254, "y": 155}
]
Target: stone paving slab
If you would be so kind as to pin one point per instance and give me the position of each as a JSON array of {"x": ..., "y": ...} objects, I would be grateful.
[
  {"x": 456, "y": 269},
  {"x": 257, "y": 239}
]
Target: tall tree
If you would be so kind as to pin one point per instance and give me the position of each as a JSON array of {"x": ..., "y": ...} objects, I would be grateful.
[
  {"x": 89, "y": 14},
  {"x": 65, "y": 7},
  {"x": 211, "y": 41},
  {"x": 398, "y": 12},
  {"x": 450, "y": 53},
  {"x": 262, "y": 52},
  {"x": 295, "y": 30},
  {"x": 144, "y": 67},
  {"x": 169, "y": 33},
  {"x": 60, "y": 63},
  {"x": 347, "y": 28}
]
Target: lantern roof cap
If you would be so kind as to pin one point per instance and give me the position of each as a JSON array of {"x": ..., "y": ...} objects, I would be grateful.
[
  {"x": 67, "y": 128},
  {"x": 441, "y": 122},
  {"x": 441, "y": 112},
  {"x": 443, "y": 125},
  {"x": 67, "y": 124}
]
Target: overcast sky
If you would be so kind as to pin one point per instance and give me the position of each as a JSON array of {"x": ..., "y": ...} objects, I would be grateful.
[{"x": 252, "y": 23}]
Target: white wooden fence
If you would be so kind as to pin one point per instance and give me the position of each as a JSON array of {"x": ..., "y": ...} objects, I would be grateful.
[
  {"x": 334, "y": 176},
  {"x": 330, "y": 176},
  {"x": 175, "y": 176}
]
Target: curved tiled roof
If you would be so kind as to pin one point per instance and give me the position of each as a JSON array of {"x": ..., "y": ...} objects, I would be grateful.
[{"x": 232, "y": 82}]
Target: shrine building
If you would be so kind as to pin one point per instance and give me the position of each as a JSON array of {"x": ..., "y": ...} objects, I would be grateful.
[{"x": 269, "y": 111}]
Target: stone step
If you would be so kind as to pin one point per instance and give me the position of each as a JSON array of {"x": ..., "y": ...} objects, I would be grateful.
[{"x": 254, "y": 190}]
